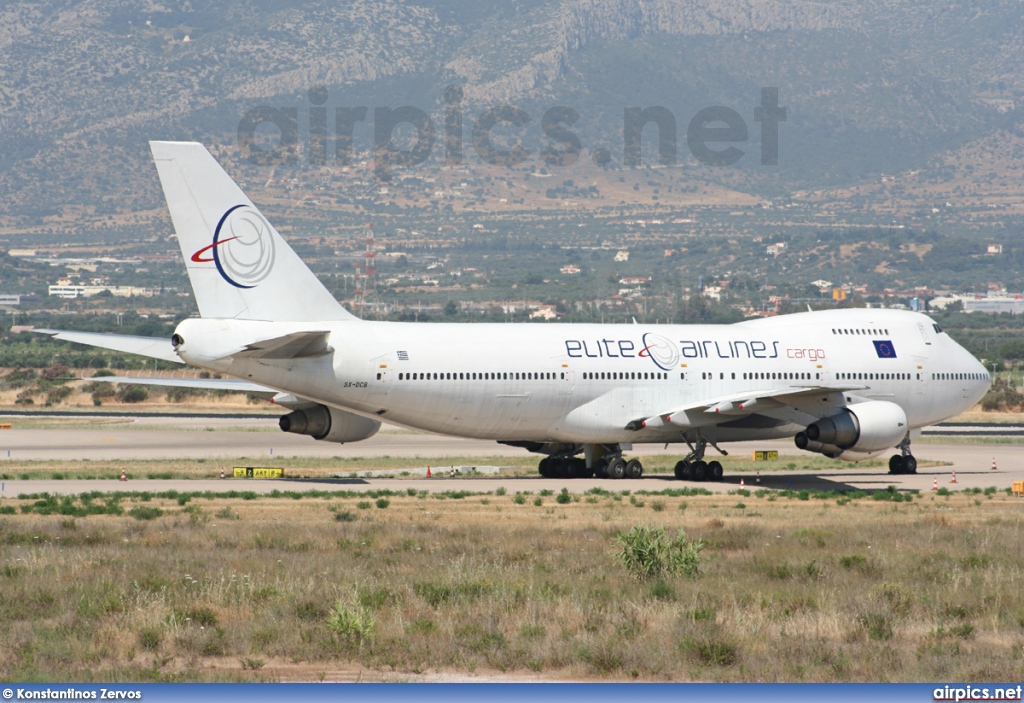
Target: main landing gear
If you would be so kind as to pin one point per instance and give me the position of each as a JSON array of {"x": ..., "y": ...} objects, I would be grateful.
[
  {"x": 904, "y": 462},
  {"x": 606, "y": 461},
  {"x": 564, "y": 467},
  {"x": 614, "y": 466},
  {"x": 694, "y": 468}
]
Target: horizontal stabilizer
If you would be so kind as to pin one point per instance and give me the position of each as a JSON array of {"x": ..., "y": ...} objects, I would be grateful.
[
  {"x": 297, "y": 345},
  {"x": 153, "y": 347},
  {"x": 210, "y": 384}
]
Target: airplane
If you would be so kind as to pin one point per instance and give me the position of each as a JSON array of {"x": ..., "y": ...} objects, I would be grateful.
[{"x": 845, "y": 383}]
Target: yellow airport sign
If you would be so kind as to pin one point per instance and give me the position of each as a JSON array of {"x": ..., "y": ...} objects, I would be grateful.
[
  {"x": 771, "y": 455},
  {"x": 258, "y": 472}
]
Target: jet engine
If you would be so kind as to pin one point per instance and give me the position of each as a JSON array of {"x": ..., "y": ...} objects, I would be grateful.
[
  {"x": 329, "y": 424},
  {"x": 863, "y": 429}
]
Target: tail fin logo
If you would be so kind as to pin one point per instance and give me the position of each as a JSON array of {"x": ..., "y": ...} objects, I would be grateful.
[{"x": 242, "y": 248}]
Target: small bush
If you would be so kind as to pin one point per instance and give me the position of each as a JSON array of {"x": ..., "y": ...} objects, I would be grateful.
[
  {"x": 132, "y": 394},
  {"x": 383, "y": 503},
  {"x": 520, "y": 499},
  {"x": 149, "y": 638},
  {"x": 364, "y": 505},
  {"x": 145, "y": 512},
  {"x": 563, "y": 497},
  {"x": 647, "y": 553},
  {"x": 878, "y": 626},
  {"x": 711, "y": 651},
  {"x": 345, "y": 516},
  {"x": 352, "y": 625},
  {"x": 204, "y": 617}
]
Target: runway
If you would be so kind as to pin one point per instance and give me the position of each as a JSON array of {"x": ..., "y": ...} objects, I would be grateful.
[{"x": 234, "y": 439}]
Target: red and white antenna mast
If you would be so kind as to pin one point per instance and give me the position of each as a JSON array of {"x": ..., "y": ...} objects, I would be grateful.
[{"x": 366, "y": 276}]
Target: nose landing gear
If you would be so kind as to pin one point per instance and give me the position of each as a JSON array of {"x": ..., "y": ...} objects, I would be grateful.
[{"x": 904, "y": 462}]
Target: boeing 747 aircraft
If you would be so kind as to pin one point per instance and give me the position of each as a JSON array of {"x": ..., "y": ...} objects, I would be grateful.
[{"x": 848, "y": 384}]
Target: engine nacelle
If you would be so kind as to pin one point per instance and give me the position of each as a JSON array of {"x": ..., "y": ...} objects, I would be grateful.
[
  {"x": 863, "y": 428},
  {"x": 329, "y": 424}
]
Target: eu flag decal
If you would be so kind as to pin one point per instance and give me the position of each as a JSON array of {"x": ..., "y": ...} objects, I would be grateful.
[{"x": 884, "y": 349}]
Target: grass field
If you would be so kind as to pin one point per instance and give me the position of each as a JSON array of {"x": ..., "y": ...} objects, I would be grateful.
[
  {"x": 400, "y": 586},
  {"x": 320, "y": 467}
]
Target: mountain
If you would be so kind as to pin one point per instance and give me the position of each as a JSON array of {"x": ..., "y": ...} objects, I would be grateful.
[{"x": 880, "y": 86}]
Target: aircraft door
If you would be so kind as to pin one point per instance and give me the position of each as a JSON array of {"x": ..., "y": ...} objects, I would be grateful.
[
  {"x": 380, "y": 379},
  {"x": 566, "y": 385}
]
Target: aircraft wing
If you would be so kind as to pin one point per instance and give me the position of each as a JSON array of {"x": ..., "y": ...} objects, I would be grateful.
[
  {"x": 737, "y": 405},
  {"x": 153, "y": 347}
]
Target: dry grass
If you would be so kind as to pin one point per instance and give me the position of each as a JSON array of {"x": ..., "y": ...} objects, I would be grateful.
[
  {"x": 278, "y": 588},
  {"x": 522, "y": 465}
]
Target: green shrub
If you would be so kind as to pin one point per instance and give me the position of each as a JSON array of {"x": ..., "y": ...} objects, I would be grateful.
[
  {"x": 648, "y": 553},
  {"x": 878, "y": 626},
  {"x": 563, "y": 497},
  {"x": 383, "y": 503},
  {"x": 149, "y": 638},
  {"x": 352, "y": 625},
  {"x": 132, "y": 394},
  {"x": 145, "y": 512}
]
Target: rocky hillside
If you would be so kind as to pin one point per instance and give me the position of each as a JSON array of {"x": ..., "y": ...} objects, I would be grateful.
[{"x": 870, "y": 87}]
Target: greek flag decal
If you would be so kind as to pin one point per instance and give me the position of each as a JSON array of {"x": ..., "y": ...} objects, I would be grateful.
[{"x": 884, "y": 349}]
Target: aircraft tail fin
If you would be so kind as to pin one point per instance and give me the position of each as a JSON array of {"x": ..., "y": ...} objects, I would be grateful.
[{"x": 239, "y": 266}]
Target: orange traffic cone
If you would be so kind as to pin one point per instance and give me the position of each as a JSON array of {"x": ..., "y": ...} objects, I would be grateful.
[
  {"x": 742, "y": 485},
  {"x": 222, "y": 474},
  {"x": 935, "y": 483},
  {"x": 954, "y": 478},
  {"x": 757, "y": 480},
  {"x": 994, "y": 464},
  {"x": 428, "y": 473},
  {"x": 123, "y": 476}
]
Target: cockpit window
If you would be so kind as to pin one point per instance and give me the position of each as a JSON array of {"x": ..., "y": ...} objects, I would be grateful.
[{"x": 938, "y": 330}]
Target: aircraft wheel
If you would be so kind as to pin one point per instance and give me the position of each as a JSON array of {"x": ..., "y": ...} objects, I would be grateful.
[
  {"x": 911, "y": 464},
  {"x": 679, "y": 469},
  {"x": 544, "y": 468},
  {"x": 564, "y": 469},
  {"x": 699, "y": 471},
  {"x": 687, "y": 470},
  {"x": 579, "y": 468},
  {"x": 617, "y": 468},
  {"x": 715, "y": 471},
  {"x": 634, "y": 469},
  {"x": 898, "y": 465}
]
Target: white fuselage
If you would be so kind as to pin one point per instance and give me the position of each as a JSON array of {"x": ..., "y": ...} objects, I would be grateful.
[{"x": 585, "y": 382}]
